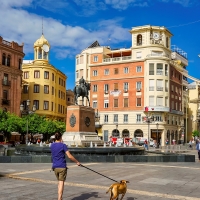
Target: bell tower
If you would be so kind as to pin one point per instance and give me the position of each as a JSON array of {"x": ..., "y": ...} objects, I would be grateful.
[{"x": 41, "y": 49}]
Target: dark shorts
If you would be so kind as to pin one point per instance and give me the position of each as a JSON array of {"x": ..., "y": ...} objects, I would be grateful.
[{"x": 61, "y": 173}]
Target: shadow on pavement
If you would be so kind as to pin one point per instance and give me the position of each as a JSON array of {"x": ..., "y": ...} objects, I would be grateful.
[
  {"x": 131, "y": 198},
  {"x": 87, "y": 196}
]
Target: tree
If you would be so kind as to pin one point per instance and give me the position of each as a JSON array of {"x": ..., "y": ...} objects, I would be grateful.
[{"x": 195, "y": 133}]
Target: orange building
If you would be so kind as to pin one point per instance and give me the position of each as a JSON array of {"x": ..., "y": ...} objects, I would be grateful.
[
  {"x": 137, "y": 91},
  {"x": 11, "y": 56}
]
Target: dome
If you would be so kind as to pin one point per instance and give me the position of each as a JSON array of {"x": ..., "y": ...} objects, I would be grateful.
[{"x": 41, "y": 41}]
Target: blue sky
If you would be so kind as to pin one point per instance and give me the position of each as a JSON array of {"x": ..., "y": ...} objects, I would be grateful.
[{"x": 72, "y": 25}]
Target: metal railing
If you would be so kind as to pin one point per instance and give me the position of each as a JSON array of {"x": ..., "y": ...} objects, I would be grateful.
[
  {"x": 5, "y": 102},
  {"x": 6, "y": 82},
  {"x": 159, "y": 88},
  {"x": 159, "y": 72},
  {"x": 158, "y": 55},
  {"x": 151, "y": 72},
  {"x": 116, "y": 59},
  {"x": 151, "y": 88},
  {"x": 6, "y": 42}
]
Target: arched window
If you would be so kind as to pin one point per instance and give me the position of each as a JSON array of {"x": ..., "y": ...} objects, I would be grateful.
[
  {"x": 167, "y": 42},
  {"x": 40, "y": 54},
  {"x": 20, "y": 64},
  {"x": 8, "y": 60},
  {"x": 4, "y": 59},
  {"x": 139, "y": 40},
  {"x": 125, "y": 133},
  {"x": 138, "y": 133},
  {"x": 115, "y": 133}
]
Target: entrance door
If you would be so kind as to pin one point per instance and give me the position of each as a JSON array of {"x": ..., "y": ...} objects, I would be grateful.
[{"x": 105, "y": 135}]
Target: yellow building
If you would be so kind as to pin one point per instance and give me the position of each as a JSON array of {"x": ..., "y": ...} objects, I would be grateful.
[{"x": 46, "y": 85}]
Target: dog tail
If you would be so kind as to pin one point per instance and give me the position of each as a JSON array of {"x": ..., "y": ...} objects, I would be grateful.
[{"x": 110, "y": 188}]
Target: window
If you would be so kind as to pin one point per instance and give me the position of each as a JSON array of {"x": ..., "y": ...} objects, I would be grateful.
[
  {"x": 36, "y": 103},
  {"x": 138, "y": 54},
  {"x": 139, "y": 40},
  {"x": 172, "y": 88},
  {"x": 95, "y": 58},
  {"x": 151, "y": 69},
  {"x": 58, "y": 93},
  {"x": 126, "y": 70},
  {"x": 20, "y": 64},
  {"x": 138, "y": 86},
  {"x": 138, "y": 68},
  {"x": 26, "y": 75},
  {"x": 139, "y": 102},
  {"x": 138, "y": 118},
  {"x": 36, "y": 88},
  {"x": 105, "y": 137},
  {"x": 125, "y": 118},
  {"x": 151, "y": 84},
  {"x": 77, "y": 74},
  {"x": 159, "y": 70},
  {"x": 167, "y": 42},
  {"x": 95, "y": 72},
  {"x": 25, "y": 89},
  {"x": 125, "y": 102},
  {"x": 8, "y": 60},
  {"x": 159, "y": 85},
  {"x": 166, "y": 70},
  {"x": 77, "y": 60},
  {"x": 46, "y": 75},
  {"x": 40, "y": 54},
  {"x": 159, "y": 101},
  {"x": 106, "y": 88},
  {"x": 151, "y": 100},
  {"x": 166, "y": 101},
  {"x": 94, "y": 88},
  {"x": 94, "y": 104},
  {"x": 106, "y": 118},
  {"x": 115, "y": 86},
  {"x": 172, "y": 105},
  {"x": 46, "y": 105},
  {"x": 106, "y": 72},
  {"x": 36, "y": 74},
  {"x": 5, "y": 94},
  {"x": 5, "y": 80},
  {"x": 116, "y": 71},
  {"x": 157, "y": 118},
  {"x": 52, "y": 91},
  {"x": 125, "y": 87},
  {"x": 51, "y": 106},
  {"x": 4, "y": 59},
  {"x": 46, "y": 89},
  {"x": 106, "y": 103},
  {"x": 115, "y": 118},
  {"x": 115, "y": 103}
]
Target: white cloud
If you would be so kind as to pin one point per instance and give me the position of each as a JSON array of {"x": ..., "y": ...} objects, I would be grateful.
[
  {"x": 184, "y": 3},
  {"x": 21, "y": 26}
]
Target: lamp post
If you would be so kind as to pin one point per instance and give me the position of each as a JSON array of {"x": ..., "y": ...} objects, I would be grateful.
[
  {"x": 27, "y": 111},
  {"x": 157, "y": 135}
]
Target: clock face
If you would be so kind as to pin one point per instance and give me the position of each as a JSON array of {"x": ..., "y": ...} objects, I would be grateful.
[
  {"x": 45, "y": 48},
  {"x": 156, "y": 36}
]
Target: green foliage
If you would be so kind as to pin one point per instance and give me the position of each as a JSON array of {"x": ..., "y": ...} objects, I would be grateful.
[
  {"x": 36, "y": 124},
  {"x": 195, "y": 133}
]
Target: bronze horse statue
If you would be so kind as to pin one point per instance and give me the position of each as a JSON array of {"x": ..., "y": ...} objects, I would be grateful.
[{"x": 82, "y": 90}]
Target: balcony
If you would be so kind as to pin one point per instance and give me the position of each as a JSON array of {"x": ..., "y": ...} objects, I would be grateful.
[
  {"x": 151, "y": 88},
  {"x": 117, "y": 59},
  {"x": 6, "y": 82},
  {"x": 159, "y": 88},
  {"x": 5, "y": 102},
  {"x": 158, "y": 55}
]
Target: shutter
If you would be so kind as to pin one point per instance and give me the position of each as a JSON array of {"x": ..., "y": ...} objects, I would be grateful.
[
  {"x": 115, "y": 102},
  {"x": 151, "y": 101},
  {"x": 126, "y": 102}
]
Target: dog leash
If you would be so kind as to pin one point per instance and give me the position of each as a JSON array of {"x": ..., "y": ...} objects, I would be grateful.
[{"x": 98, "y": 173}]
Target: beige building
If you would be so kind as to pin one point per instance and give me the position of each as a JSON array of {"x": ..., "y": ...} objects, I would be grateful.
[
  {"x": 69, "y": 97},
  {"x": 130, "y": 86},
  {"x": 11, "y": 56},
  {"x": 45, "y": 85}
]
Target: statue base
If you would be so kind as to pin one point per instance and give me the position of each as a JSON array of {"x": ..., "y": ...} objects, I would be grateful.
[{"x": 81, "y": 138}]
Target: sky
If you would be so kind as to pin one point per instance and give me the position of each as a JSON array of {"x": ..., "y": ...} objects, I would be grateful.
[{"x": 72, "y": 25}]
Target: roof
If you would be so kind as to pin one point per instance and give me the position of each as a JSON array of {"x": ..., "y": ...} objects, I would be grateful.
[{"x": 94, "y": 44}]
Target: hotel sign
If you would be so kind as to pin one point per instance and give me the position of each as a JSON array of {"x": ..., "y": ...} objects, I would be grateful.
[{"x": 156, "y": 108}]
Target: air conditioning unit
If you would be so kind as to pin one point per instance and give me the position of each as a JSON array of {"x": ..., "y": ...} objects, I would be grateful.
[
  {"x": 126, "y": 90},
  {"x": 138, "y": 89},
  {"x": 106, "y": 91}
]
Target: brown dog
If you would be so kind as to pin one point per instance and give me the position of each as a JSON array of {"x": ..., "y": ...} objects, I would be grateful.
[{"x": 118, "y": 188}]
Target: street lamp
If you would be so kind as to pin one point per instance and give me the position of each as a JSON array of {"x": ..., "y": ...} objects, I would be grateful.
[
  {"x": 27, "y": 111},
  {"x": 157, "y": 135}
]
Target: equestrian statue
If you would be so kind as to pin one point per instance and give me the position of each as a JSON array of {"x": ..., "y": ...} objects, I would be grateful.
[{"x": 81, "y": 90}]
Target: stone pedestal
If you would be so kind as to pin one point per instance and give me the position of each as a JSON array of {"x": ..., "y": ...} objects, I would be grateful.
[{"x": 80, "y": 126}]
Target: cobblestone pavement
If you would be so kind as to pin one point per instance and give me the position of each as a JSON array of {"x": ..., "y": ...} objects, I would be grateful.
[{"x": 148, "y": 181}]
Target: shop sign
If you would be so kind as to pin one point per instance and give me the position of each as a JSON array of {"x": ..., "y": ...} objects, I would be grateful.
[{"x": 157, "y": 108}]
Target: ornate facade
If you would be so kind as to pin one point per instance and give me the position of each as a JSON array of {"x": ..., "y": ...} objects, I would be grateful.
[
  {"x": 46, "y": 85},
  {"x": 11, "y": 56}
]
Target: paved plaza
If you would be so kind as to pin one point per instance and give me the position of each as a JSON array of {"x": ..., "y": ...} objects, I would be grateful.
[{"x": 147, "y": 181}]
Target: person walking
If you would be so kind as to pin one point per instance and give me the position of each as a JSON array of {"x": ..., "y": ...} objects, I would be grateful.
[
  {"x": 59, "y": 165},
  {"x": 198, "y": 149}
]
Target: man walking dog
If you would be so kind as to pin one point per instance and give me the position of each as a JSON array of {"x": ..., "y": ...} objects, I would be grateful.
[{"x": 59, "y": 165}]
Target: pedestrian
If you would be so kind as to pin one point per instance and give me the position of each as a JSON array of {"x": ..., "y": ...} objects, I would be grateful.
[
  {"x": 59, "y": 165},
  {"x": 190, "y": 144},
  {"x": 198, "y": 149},
  {"x": 146, "y": 144}
]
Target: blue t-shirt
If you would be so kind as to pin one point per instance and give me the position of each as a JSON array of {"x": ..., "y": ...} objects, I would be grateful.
[{"x": 58, "y": 150}]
